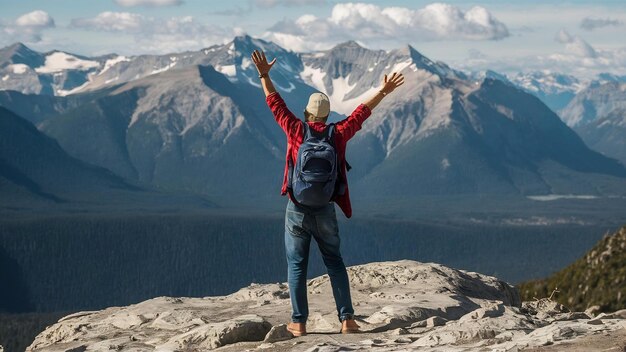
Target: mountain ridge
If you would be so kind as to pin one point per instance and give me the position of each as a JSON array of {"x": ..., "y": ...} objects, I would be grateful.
[{"x": 179, "y": 124}]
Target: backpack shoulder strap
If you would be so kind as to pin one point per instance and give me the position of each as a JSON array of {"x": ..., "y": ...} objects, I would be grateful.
[
  {"x": 306, "y": 130},
  {"x": 329, "y": 133}
]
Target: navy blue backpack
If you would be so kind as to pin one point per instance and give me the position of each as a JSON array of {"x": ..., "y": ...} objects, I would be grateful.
[{"x": 313, "y": 179}]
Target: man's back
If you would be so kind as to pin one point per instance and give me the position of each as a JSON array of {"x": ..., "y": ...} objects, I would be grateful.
[{"x": 293, "y": 128}]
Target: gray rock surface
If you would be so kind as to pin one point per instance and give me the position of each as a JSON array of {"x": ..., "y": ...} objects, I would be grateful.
[
  {"x": 403, "y": 305},
  {"x": 595, "y": 101},
  {"x": 278, "y": 333}
]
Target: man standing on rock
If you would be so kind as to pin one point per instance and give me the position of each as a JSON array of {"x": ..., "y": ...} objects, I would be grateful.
[{"x": 313, "y": 179}]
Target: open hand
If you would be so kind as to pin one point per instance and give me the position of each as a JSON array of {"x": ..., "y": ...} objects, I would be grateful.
[
  {"x": 261, "y": 62},
  {"x": 391, "y": 83}
]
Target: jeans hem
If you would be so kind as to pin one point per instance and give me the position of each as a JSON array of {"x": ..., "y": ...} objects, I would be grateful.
[{"x": 346, "y": 317}]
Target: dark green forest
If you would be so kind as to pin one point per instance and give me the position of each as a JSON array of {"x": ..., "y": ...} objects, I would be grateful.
[
  {"x": 50, "y": 267},
  {"x": 77, "y": 263}
]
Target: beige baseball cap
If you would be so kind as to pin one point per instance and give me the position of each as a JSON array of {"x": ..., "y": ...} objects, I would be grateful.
[{"x": 319, "y": 105}]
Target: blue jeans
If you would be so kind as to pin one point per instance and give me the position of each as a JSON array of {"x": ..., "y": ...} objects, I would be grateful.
[{"x": 300, "y": 225}]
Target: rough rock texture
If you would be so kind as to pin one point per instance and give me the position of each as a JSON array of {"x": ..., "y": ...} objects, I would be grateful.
[
  {"x": 278, "y": 333},
  {"x": 402, "y": 305}
]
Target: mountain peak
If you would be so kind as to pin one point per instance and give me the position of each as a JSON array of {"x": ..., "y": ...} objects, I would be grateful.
[
  {"x": 350, "y": 44},
  {"x": 244, "y": 38},
  {"x": 421, "y": 61},
  {"x": 17, "y": 47},
  {"x": 246, "y": 44},
  {"x": 18, "y": 53},
  {"x": 408, "y": 50}
]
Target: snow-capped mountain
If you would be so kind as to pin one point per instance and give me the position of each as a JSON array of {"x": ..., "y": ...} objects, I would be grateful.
[
  {"x": 52, "y": 73},
  {"x": 471, "y": 138},
  {"x": 555, "y": 89},
  {"x": 349, "y": 73},
  {"x": 198, "y": 121}
]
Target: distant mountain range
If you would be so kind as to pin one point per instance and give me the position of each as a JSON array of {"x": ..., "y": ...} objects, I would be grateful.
[
  {"x": 35, "y": 173},
  {"x": 197, "y": 122}
]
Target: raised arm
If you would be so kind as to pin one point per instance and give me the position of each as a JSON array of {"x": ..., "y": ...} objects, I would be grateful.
[
  {"x": 349, "y": 126},
  {"x": 285, "y": 118},
  {"x": 260, "y": 61},
  {"x": 389, "y": 85}
]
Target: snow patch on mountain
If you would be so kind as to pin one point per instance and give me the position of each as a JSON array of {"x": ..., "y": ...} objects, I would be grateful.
[
  {"x": 112, "y": 62},
  {"x": 228, "y": 70},
  {"x": 112, "y": 80},
  {"x": 59, "y": 61},
  {"x": 398, "y": 67},
  {"x": 164, "y": 68},
  {"x": 245, "y": 63},
  {"x": 340, "y": 87},
  {"x": 18, "y": 69},
  {"x": 62, "y": 92},
  {"x": 548, "y": 82},
  {"x": 445, "y": 164}
]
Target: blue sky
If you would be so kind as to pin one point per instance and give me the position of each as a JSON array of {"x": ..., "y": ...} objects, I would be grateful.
[{"x": 582, "y": 37}]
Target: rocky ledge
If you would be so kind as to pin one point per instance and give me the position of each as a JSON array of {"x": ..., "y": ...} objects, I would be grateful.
[{"x": 403, "y": 305}]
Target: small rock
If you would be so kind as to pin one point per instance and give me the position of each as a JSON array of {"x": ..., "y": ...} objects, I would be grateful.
[
  {"x": 398, "y": 331},
  {"x": 209, "y": 336},
  {"x": 435, "y": 321},
  {"x": 418, "y": 324},
  {"x": 374, "y": 342},
  {"x": 319, "y": 323},
  {"x": 571, "y": 316},
  {"x": 545, "y": 306},
  {"x": 278, "y": 333},
  {"x": 265, "y": 346},
  {"x": 620, "y": 314},
  {"x": 486, "y": 334},
  {"x": 591, "y": 311},
  {"x": 595, "y": 321},
  {"x": 491, "y": 311},
  {"x": 403, "y": 340}
]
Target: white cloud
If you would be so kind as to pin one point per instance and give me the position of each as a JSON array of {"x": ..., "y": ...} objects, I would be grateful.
[
  {"x": 148, "y": 3},
  {"x": 578, "y": 58},
  {"x": 28, "y": 27},
  {"x": 371, "y": 23},
  {"x": 274, "y": 3},
  {"x": 111, "y": 22},
  {"x": 563, "y": 37},
  {"x": 158, "y": 35},
  {"x": 590, "y": 23},
  {"x": 38, "y": 18},
  {"x": 575, "y": 44}
]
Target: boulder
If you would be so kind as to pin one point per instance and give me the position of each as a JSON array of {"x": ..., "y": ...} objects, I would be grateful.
[{"x": 403, "y": 305}]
